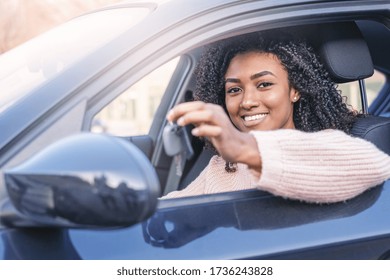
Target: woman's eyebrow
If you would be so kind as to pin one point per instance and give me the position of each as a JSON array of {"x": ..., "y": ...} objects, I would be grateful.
[
  {"x": 232, "y": 80},
  {"x": 254, "y": 76},
  {"x": 261, "y": 74}
]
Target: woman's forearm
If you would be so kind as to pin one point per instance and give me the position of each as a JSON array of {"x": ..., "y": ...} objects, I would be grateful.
[{"x": 325, "y": 166}]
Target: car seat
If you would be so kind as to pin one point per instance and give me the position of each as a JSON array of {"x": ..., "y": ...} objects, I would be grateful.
[{"x": 346, "y": 55}]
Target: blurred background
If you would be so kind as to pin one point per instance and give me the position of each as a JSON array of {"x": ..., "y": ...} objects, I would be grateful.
[
  {"x": 129, "y": 114},
  {"x": 21, "y": 20}
]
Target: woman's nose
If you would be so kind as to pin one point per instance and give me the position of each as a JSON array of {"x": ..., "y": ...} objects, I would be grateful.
[{"x": 249, "y": 101}]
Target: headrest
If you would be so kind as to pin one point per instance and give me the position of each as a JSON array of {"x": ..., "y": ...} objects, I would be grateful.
[{"x": 344, "y": 52}]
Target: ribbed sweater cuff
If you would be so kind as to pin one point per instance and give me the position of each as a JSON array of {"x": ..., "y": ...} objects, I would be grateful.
[{"x": 272, "y": 158}]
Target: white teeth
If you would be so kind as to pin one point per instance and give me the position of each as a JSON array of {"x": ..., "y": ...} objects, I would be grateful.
[{"x": 255, "y": 117}]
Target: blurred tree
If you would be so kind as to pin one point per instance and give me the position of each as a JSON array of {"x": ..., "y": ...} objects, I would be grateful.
[{"x": 21, "y": 20}]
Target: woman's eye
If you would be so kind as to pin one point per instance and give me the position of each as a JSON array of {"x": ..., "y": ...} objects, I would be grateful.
[
  {"x": 233, "y": 90},
  {"x": 264, "y": 85}
]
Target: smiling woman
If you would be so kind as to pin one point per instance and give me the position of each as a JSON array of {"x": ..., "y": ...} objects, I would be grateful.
[{"x": 258, "y": 96}]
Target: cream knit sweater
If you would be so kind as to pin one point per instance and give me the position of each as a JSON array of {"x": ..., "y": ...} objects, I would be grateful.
[{"x": 322, "y": 167}]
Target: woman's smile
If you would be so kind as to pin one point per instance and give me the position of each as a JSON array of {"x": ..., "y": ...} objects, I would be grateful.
[{"x": 253, "y": 119}]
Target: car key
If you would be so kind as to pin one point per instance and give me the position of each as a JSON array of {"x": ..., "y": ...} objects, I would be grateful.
[
  {"x": 176, "y": 140},
  {"x": 177, "y": 144}
]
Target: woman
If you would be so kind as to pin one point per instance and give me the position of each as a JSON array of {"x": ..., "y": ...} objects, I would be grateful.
[{"x": 278, "y": 123}]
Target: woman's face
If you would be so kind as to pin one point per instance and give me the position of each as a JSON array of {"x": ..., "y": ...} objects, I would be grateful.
[{"x": 257, "y": 93}]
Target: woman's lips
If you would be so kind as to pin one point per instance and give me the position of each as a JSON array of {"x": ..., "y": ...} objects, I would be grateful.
[{"x": 257, "y": 117}]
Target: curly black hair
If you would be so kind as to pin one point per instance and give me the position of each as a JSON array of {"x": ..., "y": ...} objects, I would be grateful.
[{"x": 320, "y": 105}]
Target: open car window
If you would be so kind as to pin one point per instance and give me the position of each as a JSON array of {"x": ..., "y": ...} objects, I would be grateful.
[
  {"x": 350, "y": 91},
  {"x": 132, "y": 112}
]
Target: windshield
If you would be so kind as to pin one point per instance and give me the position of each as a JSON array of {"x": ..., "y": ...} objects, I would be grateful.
[{"x": 40, "y": 59}]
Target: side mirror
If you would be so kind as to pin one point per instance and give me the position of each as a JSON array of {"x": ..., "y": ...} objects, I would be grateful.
[{"x": 85, "y": 180}]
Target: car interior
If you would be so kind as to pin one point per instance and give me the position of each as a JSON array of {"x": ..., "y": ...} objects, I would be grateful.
[{"x": 350, "y": 51}]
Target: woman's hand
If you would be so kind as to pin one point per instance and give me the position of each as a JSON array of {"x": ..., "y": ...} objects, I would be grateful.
[{"x": 211, "y": 121}]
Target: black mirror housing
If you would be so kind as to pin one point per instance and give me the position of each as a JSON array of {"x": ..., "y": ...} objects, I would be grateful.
[{"x": 85, "y": 180}]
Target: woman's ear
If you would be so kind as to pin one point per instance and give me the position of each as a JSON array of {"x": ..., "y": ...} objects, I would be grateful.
[{"x": 294, "y": 95}]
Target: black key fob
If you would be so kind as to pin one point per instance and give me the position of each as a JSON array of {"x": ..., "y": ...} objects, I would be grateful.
[{"x": 176, "y": 141}]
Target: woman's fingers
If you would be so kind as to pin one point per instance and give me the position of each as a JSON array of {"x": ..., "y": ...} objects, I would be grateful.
[
  {"x": 197, "y": 117},
  {"x": 196, "y": 113},
  {"x": 205, "y": 130},
  {"x": 183, "y": 108}
]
